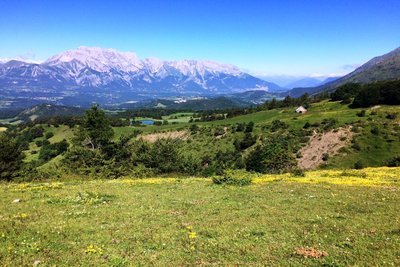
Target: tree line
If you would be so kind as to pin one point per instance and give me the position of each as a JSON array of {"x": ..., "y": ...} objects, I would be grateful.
[{"x": 367, "y": 95}]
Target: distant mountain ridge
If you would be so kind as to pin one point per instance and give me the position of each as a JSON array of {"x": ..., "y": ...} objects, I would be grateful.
[
  {"x": 381, "y": 68},
  {"x": 91, "y": 74},
  {"x": 310, "y": 82}
]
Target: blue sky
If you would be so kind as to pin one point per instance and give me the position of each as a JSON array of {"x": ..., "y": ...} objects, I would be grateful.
[{"x": 289, "y": 37}]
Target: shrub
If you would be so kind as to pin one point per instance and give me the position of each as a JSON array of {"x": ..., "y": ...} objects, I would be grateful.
[
  {"x": 83, "y": 161},
  {"x": 361, "y": 113},
  {"x": 247, "y": 141},
  {"x": 233, "y": 177},
  {"x": 270, "y": 158},
  {"x": 141, "y": 171},
  {"x": 391, "y": 116},
  {"x": 249, "y": 127},
  {"x": 49, "y": 135},
  {"x": 356, "y": 146},
  {"x": 278, "y": 124},
  {"x": 329, "y": 124},
  {"x": 358, "y": 165},
  {"x": 307, "y": 125},
  {"x": 393, "y": 162},
  {"x": 164, "y": 155},
  {"x": 375, "y": 130},
  {"x": 325, "y": 156},
  {"x": 298, "y": 172},
  {"x": 193, "y": 128},
  {"x": 190, "y": 165},
  {"x": 50, "y": 151},
  {"x": 39, "y": 143},
  {"x": 240, "y": 127},
  {"x": 353, "y": 173},
  {"x": 219, "y": 131},
  {"x": 10, "y": 158}
]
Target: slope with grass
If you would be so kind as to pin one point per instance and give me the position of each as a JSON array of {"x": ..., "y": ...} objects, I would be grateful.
[
  {"x": 345, "y": 218},
  {"x": 370, "y": 149}
]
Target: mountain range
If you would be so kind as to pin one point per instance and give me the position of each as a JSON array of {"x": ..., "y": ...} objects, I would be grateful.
[
  {"x": 89, "y": 75},
  {"x": 107, "y": 76},
  {"x": 310, "y": 82}
]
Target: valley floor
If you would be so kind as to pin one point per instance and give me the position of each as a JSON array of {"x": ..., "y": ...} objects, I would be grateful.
[{"x": 347, "y": 217}]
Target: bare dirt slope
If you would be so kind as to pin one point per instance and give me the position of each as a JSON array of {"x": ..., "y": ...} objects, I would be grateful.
[
  {"x": 183, "y": 135},
  {"x": 322, "y": 143}
]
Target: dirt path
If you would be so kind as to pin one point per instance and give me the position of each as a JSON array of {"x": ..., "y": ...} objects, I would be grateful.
[
  {"x": 320, "y": 144},
  {"x": 183, "y": 135}
]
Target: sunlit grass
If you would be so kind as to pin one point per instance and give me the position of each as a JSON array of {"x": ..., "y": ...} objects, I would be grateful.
[{"x": 351, "y": 215}]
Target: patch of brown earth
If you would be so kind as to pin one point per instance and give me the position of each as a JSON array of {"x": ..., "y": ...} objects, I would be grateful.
[
  {"x": 309, "y": 252},
  {"x": 222, "y": 135},
  {"x": 319, "y": 144},
  {"x": 183, "y": 135}
]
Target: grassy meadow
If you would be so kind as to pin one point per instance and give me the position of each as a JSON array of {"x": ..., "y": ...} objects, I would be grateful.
[{"x": 352, "y": 217}]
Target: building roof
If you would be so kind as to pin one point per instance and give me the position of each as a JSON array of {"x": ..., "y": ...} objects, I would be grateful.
[{"x": 301, "y": 108}]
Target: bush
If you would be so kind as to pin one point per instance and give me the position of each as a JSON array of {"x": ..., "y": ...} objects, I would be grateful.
[
  {"x": 219, "y": 131},
  {"x": 307, "y": 125},
  {"x": 375, "y": 130},
  {"x": 325, "y": 156},
  {"x": 249, "y": 127},
  {"x": 393, "y": 162},
  {"x": 356, "y": 146},
  {"x": 247, "y": 141},
  {"x": 39, "y": 143},
  {"x": 391, "y": 116},
  {"x": 361, "y": 113},
  {"x": 164, "y": 156},
  {"x": 358, "y": 165},
  {"x": 298, "y": 172},
  {"x": 278, "y": 124},
  {"x": 50, "y": 151},
  {"x": 193, "y": 129},
  {"x": 49, "y": 135},
  {"x": 83, "y": 161},
  {"x": 233, "y": 177},
  {"x": 190, "y": 165},
  {"x": 240, "y": 127},
  {"x": 272, "y": 157},
  {"x": 329, "y": 124},
  {"x": 10, "y": 158},
  {"x": 140, "y": 171}
]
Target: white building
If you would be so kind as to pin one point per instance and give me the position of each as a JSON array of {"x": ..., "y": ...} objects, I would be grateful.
[{"x": 301, "y": 109}]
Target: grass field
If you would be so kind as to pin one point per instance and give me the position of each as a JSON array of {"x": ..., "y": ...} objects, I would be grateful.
[{"x": 352, "y": 216}]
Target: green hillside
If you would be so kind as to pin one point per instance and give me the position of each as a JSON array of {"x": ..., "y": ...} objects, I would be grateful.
[{"x": 370, "y": 149}]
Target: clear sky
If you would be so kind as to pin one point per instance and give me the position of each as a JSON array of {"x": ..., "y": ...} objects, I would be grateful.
[{"x": 293, "y": 37}]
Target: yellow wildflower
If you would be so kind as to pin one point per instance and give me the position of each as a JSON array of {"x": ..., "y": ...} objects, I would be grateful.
[{"x": 192, "y": 235}]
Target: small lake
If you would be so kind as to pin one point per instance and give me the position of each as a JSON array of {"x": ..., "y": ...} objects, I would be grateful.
[{"x": 147, "y": 122}]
